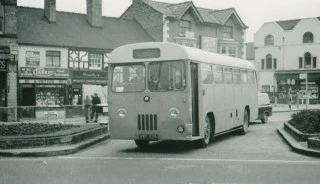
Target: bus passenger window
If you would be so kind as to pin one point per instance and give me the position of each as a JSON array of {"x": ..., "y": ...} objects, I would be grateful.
[
  {"x": 206, "y": 74},
  {"x": 218, "y": 74},
  {"x": 244, "y": 76}
]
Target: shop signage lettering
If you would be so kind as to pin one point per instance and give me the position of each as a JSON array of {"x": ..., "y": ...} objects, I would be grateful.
[
  {"x": 3, "y": 65},
  {"x": 33, "y": 58},
  {"x": 89, "y": 77},
  {"x": 43, "y": 72}
]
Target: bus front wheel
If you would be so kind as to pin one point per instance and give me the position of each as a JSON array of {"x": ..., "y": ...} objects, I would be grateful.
[
  {"x": 142, "y": 143},
  {"x": 202, "y": 143},
  {"x": 245, "y": 125}
]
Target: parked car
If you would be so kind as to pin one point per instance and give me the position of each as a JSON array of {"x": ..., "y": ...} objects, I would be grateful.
[{"x": 264, "y": 107}]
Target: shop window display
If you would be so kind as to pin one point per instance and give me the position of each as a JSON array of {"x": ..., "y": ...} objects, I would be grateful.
[{"x": 49, "y": 95}]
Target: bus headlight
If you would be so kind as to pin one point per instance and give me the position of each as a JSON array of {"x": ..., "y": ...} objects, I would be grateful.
[
  {"x": 122, "y": 113},
  {"x": 180, "y": 129},
  {"x": 173, "y": 112}
]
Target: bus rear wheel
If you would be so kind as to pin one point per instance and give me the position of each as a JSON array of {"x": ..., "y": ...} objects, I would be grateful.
[
  {"x": 245, "y": 125},
  {"x": 202, "y": 143},
  {"x": 142, "y": 143}
]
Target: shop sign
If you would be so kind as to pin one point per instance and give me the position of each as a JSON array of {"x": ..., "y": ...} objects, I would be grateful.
[
  {"x": 14, "y": 48},
  {"x": 3, "y": 65},
  {"x": 89, "y": 77},
  {"x": 44, "y": 72},
  {"x": 302, "y": 75},
  {"x": 32, "y": 58},
  {"x": 209, "y": 44}
]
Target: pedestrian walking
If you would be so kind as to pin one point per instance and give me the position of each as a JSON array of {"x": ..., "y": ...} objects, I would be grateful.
[
  {"x": 87, "y": 104},
  {"x": 290, "y": 99},
  {"x": 297, "y": 98},
  {"x": 95, "y": 109}
]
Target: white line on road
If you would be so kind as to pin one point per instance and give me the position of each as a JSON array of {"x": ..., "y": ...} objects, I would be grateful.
[{"x": 193, "y": 159}]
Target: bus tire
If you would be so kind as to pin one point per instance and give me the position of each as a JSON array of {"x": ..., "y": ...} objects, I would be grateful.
[
  {"x": 142, "y": 143},
  {"x": 203, "y": 142},
  {"x": 245, "y": 125}
]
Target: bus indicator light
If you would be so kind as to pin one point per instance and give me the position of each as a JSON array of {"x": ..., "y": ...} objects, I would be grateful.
[
  {"x": 173, "y": 113},
  {"x": 146, "y": 98},
  {"x": 122, "y": 113}
]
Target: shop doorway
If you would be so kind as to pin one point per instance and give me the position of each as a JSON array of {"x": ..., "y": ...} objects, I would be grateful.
[
  {"x": 3, "y": 98},
  {"x": 28, "y": 99}
]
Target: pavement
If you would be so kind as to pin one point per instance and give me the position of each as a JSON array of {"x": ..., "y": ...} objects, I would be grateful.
[{"x": 54, "y": 150}]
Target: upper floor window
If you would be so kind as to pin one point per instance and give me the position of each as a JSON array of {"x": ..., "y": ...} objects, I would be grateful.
[
  {"x": 307, "y": 61},
  {"x": 269, "y": 61},
  {"x": 227, "y": 32},
  {"x": 53, "y": 58},
  {"x": 269, "y": 40},
  {"x": 229, "y": 51},
  {"x": 185, "y": 25},
  {"x": 308, "y": 37},
  {"x": 1, "y": 18},
  {"x": 95, "y": 61}
]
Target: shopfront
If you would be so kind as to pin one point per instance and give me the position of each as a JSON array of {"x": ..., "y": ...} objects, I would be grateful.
[
  {"x": 42, "y": 88},
  {"x": 295, "y": 81},
  {"x": 3, "y": 84},
  {"x": 87, "y": 82}
]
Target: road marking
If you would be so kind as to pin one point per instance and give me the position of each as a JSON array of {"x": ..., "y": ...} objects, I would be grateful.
[{"x": 192, "y": 159}]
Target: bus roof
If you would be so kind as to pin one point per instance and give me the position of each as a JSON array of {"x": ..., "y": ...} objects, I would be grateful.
[{"x": 171, "y": 51}]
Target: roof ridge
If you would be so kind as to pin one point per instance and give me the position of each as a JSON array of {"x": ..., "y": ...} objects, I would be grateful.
[
  {"x": 179, "y": 3},
  {"x": 213, "y": 11}
]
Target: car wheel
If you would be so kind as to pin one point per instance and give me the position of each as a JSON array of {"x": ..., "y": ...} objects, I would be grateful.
[{"x": 264, "y": 118}]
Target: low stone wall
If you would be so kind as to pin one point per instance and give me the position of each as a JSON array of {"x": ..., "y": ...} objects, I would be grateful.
[
  {"x": 50, "y": 140},
  {"x": 297, "y": 134},
  {"x": 314, "y": 143}
]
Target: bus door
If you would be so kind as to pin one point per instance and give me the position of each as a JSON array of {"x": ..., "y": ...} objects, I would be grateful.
[
  {"x": 195, "y": 99},
  {"x": 229, "y": 98}
]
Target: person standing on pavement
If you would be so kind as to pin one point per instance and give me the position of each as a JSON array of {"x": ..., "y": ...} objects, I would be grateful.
[
  {"x": 290, "y": 99},
  {"x": 94, "y": 114},
  {"x": 297, "y": 98},
  {"x": 87, "y": 103}
]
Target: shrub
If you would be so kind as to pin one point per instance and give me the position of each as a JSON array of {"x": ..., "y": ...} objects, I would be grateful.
[
  {"x": 307, "y": 121},
  {"x": 32, "y": 128}
]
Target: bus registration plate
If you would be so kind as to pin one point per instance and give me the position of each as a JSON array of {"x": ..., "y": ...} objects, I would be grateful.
[{"x": 148, "y": 136}]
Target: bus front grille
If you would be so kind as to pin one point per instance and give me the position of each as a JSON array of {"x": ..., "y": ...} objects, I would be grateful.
[{"x": 147, "y": 122}]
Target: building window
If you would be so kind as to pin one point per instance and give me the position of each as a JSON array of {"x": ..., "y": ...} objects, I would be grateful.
[
  {"x": 53, "y": 58},
  {"x": 229, "y": 50},
  {"x": 269, "y": 40},
  {"x": 300, "y": 62},
  {"x": 227, "y": 32},
  {"x": 95, "y": 61},
  {"x": 1, "y": 18},
  {"x": 185, "y": 26},
  {"x": 262, "y": 64},
  {"x": 274, "y": 63},
  {"x": 268, "y": 61},
  {"x": 314, "y": 62},
  {"x": 308, "y": 37},
  {"x": 307, "y": 60}
]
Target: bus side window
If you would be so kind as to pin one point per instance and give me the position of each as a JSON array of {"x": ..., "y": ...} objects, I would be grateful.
[
  {"x": 228, "y": 75},
  {"x": 236, "y": 76},
  {"x": 244, "y": 76},
  {"x": 217, "y": 74},
  {"x": 206, "y": 74}
]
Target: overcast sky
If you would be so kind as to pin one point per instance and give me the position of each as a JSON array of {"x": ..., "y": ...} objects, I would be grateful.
[{"x": 254, "y": 13}]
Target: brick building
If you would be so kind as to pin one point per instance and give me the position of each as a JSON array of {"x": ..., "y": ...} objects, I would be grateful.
[
  {"x": 8, "y": 59},
  {"x": 63, "y": 56},
  {"x": 286, "y": 49},
  {"x": 220, "y": 31}
]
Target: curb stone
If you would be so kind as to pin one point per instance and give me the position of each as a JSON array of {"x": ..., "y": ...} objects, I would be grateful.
[{"x": 296, "y": 146}]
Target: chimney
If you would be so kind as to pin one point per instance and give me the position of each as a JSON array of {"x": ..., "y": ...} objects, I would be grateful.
[
  {"x": 50, "y": 10},
  {"x": 94, "y": 13}
]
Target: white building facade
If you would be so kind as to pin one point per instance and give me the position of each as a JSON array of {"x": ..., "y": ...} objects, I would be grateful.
[{"x": 286, "y": 51}]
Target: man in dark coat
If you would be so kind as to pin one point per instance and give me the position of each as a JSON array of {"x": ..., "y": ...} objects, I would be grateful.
[{"x": 95, "y": 109}]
